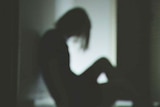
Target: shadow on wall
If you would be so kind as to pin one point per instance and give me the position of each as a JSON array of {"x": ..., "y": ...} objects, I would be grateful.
[
  {"x": 28, "y": 68},
  {"x": 33, "y": 22}
]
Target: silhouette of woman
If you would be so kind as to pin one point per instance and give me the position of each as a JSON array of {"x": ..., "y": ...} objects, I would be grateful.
[
  {"x": 68, "y": 89},
  {"x": 73, "y": 90}
]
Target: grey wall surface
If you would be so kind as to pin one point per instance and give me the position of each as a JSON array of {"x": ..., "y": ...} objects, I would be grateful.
[{"x": 36, "y": 16}]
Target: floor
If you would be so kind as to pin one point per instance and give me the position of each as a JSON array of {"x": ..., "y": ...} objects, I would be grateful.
[
  {"x": 117, "y": 104},
  {"x": 40, "y": 97}
]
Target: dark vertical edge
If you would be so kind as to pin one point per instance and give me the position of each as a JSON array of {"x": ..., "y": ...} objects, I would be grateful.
[
  {"x": 8, "y": 52},
  {"x": 133, "y": 43},
  {"x": 14, "y": 50}
]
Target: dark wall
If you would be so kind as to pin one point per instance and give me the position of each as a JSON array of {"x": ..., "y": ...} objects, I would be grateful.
[
  {"x": 133, "y": 43},
  {"x": 9, "y": 52},
  {"x": 155, "y": 50}
]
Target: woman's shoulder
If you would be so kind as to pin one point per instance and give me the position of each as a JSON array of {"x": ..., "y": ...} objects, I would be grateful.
[
  {"x": 52, "y": 38},
  {"x": 49, "y": 34}
]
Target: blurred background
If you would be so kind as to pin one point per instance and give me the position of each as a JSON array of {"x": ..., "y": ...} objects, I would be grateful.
[{"x": 124, "y": 31}]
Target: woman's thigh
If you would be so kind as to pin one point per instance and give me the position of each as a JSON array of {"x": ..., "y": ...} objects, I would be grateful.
[{"x": 101, "y": 65}]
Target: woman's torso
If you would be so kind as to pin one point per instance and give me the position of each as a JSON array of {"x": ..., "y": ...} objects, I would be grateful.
[{"x": 79, "y": 91}]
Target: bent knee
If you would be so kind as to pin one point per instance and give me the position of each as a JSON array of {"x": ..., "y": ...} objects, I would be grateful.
[{"x": 102, "y": 61}]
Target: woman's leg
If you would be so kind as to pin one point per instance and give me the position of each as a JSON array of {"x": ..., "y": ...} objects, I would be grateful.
[
  {"x": 90, "y": 91},
  {"x": 101, "y": 65}
]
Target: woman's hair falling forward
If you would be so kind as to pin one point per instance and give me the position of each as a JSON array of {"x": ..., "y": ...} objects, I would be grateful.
[{"x": 75, "y": 23}]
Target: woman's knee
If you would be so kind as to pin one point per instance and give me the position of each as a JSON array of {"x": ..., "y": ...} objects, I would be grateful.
[{"x": 103, "y": 62}]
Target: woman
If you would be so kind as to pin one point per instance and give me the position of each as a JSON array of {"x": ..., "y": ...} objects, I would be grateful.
[{"x": 68, "y": 89}]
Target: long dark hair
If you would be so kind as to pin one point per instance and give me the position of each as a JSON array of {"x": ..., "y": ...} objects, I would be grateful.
[{"x": 76, "y": 22}]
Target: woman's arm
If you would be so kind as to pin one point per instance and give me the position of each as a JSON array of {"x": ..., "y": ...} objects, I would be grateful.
[{"x": 55, "y": 84}]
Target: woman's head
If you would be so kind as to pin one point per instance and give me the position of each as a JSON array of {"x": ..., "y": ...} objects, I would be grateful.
[{"x": 75, "y": 22}]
